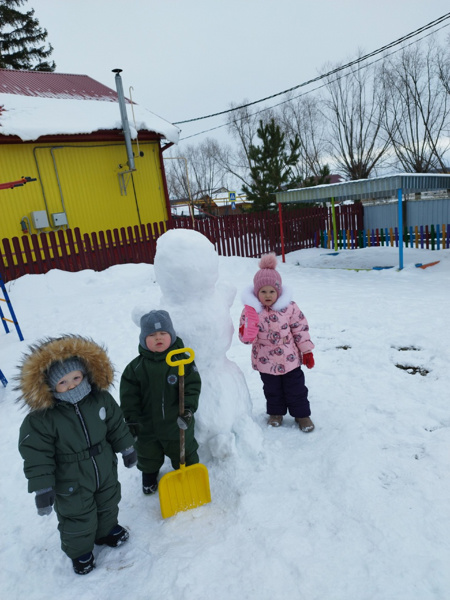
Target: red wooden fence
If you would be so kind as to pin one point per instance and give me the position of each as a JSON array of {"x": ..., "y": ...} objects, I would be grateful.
[{"x": 248, "y": 235}]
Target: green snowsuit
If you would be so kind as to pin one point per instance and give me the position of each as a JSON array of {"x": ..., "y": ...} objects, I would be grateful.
[
  {"x": 71, "y": 448},
  {"x": 149, "y": 400}
]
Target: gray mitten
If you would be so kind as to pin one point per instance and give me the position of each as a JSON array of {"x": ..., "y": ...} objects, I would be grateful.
[
  {"x": 129, "y": 456},
  {"x": 44, "y": 501},
  {"x": 184, "y": 421}
]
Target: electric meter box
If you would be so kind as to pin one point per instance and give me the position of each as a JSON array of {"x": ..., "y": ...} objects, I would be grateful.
[
  {"x": 59, "y": 219},
  {"x": 40, "y": 219}
]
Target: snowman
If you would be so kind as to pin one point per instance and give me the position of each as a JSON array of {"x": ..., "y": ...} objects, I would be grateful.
[{"x": 186, "y": 269}]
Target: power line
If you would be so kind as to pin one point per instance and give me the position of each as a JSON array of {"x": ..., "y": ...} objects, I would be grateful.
[
  {"x": 258, "y": 112},
  {"x": 334, "y": 71}
]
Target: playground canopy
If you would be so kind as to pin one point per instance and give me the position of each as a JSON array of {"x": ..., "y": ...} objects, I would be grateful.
[{"x": 377, "y": 188}]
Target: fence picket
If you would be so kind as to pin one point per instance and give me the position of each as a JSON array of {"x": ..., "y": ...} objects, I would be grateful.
[
  {"x": 108, "y": 257},
  {"x": 81, "y": 249},
  {"x": 90, "y": 258},
  {"x": 73, "y": 254},
  {"x": 54, "y": 251},
  {"x": 113, "y": 250},
  {"x": 148, "y": 257},
  {"x": 151, "y": 241},
  {"x": 63, "y": 250},
  {"x": 47, "y": 257},
  {"x": 31, "y": 265},
  {"x": 18, "y": 253},
  {"x": 99, "y": 263},
  {"x": 37, "y": 253}
]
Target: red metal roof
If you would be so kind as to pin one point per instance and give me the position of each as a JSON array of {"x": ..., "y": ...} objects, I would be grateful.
[{"x": 54, "y": 85}]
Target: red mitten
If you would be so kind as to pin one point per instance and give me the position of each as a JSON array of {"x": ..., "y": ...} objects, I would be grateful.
[
  {"x": 249, "y": 328},
  {"x": 308, "y": 360}
]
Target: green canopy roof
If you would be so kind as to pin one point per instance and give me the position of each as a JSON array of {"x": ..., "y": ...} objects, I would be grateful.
[{"x": 379, "y": 187}]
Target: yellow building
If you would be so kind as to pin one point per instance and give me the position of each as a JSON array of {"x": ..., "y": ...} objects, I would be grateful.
[{"x": 68, "y": 134}]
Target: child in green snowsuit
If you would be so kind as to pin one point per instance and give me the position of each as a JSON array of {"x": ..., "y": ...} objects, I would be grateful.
[
  {"x": 149, "y": 399},
  {"x": 69, "y": 441}
]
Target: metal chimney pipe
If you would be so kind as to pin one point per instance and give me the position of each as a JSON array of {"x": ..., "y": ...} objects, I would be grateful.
[{"x": 125, "y": 124}]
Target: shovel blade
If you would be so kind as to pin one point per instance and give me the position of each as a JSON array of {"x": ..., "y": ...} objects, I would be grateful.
[{"x": 183, "y": 489}]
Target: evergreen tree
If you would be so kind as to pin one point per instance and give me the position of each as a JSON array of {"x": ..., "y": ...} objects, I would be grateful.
[
  {"x": 323, "y": 178},
  {"x": 22, "y": 40},
  {"x": 272, "y": 166}
]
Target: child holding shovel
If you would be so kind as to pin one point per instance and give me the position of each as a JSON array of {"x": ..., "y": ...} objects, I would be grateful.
[{"x": 150, "y": 401}]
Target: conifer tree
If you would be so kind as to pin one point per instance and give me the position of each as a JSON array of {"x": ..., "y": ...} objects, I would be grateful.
[
  {"x": 323, "y": 178},
  {"x": 272, "y": 166},
  {"x": 22, "y": 41}
]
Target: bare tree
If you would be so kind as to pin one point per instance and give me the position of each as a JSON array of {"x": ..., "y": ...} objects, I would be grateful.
[
  {"x": 193, "y": 172},
  {"x": 417, "y": 119},
  {"x": 177, "y": 175},
  {"x": 355, "y": 109},
  {"x": 443, "y": 66},
  {"x": 301, "y": 116},
  {"x": 242, "y": 124}
]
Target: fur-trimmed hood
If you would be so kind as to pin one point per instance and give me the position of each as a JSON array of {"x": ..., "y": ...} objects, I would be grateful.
[
  {"x": 248, "y": 297},
  {"x": 32, "y": 381}
]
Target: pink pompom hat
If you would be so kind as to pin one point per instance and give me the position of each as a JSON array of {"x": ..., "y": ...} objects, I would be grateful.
[{"x": 267, "y": 274}]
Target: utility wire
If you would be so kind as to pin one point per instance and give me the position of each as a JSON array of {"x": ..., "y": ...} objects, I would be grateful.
[
  {"x": 258, "y": 112},
  {"x": 337, "y": 70}
]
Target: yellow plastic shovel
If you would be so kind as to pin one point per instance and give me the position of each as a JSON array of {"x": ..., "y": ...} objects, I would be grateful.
[{"x": 187, "y": 487}]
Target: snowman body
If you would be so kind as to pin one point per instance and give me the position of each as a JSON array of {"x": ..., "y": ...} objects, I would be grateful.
[{"x": 187, "y": 271}]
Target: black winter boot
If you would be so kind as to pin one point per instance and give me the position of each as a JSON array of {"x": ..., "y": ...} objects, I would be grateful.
[
  {"x": 83, "y": 564},
  {"x": 118, "y": 535},
  {"x": 150, "y": 483}
]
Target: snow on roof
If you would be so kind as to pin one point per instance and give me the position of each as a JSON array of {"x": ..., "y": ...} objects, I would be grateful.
[{"x": 34, "y": 104}]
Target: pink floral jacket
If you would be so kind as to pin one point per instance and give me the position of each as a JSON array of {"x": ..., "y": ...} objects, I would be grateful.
[{"x": 283, "y": 334}]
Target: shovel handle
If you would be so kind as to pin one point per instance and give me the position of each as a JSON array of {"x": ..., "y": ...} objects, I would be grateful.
[
  {"x": 180, "y": 364},
  {"x": 181, "y": 361}
]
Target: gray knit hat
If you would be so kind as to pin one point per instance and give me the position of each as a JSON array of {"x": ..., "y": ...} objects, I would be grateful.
[
  {"x": 61, "y": 368},
  {"x": 57, "y": 372},
  {"x": 156, "y": 320}
]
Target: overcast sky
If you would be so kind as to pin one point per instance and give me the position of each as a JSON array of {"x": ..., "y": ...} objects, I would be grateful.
[{"x": 190, "y": 58}]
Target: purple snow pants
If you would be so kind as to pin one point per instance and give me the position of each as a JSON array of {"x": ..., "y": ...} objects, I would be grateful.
[{"x": 286, "y": 392}]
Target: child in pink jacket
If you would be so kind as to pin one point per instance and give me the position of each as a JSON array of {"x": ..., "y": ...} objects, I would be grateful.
[{"x": 279, "y": 333}]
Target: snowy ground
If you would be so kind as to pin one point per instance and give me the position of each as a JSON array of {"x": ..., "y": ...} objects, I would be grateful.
[{"x": 356, "y": 510}]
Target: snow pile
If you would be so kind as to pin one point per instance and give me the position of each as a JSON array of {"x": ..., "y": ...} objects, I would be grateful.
[{"x": 358, "y": 509}]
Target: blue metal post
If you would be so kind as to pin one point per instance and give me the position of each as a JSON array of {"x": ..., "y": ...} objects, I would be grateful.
[
  {"x": 400, "y": 230},
  {"x": 11, "y": 310},
  {"x": 2, "y": 319}
]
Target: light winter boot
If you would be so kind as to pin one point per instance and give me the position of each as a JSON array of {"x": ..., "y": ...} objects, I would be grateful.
[
  {"x": 275, "y": 420},
  {"x": 305, "y": 424}
]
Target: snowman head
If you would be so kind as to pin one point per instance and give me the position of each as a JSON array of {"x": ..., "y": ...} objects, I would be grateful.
[{"x": 186, "y": 265}]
